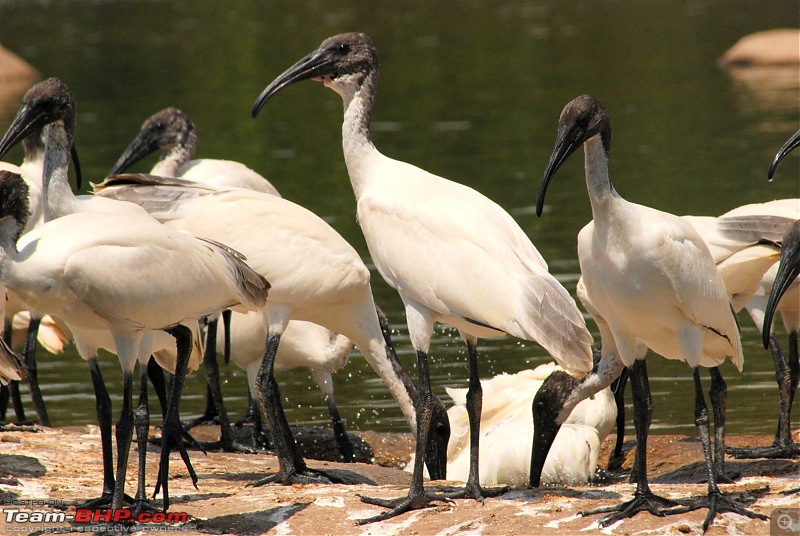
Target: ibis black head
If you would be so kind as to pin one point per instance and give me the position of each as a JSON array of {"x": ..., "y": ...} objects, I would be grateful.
[
  {"x": 46, "y": 102},
  {"x": 163, "y": 131},
  {"x": 582, "y": 118},
  {"x": 13, "y": 198},
  {"x": 788, "y": 270},
  {"x": 548, "y": 416},
  {"x": 49, "y": 101},
  {"x": 343, "y": 58}
]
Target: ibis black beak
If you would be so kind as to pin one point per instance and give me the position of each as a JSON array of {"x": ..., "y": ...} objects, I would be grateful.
[
  {"x": 545, "y": 430},
  {"x": 549, "y": 413},
  {"x": 568, "y": 139},
  {"x": 76, "y": 166},
  {"x": 145, "y": 144},
  {"x": 29, "y": 120},
  {"x": 438, "y": 438},
  {"x": 790, "y": 145},
  {"x": 316, "y": 64},
  {"x": 788, "y": 271}
]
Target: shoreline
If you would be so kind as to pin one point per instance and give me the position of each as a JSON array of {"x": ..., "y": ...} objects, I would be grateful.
[{"x": 63, "y": 466}]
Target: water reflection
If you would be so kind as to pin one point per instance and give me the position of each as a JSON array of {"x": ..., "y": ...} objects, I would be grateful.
[{"x": 769, "y": 94}]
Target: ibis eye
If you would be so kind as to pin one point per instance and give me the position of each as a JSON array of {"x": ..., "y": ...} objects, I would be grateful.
[{"x": 343, "y": 49}]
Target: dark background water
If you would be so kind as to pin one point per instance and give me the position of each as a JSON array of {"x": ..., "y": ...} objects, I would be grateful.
[{"x": 469, "y": 90}]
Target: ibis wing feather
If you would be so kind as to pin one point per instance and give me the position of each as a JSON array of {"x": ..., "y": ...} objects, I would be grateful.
[
  {"x": 225, "y": 174},
  {"x": 698, "y": 289},
  {"x": 458, "y": 253}
]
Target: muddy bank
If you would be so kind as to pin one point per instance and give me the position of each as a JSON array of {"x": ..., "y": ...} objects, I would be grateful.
[{"x": 64, "y": 465}]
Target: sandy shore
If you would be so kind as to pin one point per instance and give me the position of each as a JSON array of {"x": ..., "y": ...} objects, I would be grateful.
[{"x": 64, "y": 465}]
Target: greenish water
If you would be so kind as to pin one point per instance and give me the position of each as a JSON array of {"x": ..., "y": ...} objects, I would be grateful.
[{"x": 470, "y": 91}]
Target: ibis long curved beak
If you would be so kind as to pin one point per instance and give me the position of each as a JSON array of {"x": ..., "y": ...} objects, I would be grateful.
[
  {"x": 545, "y": 430},
  {"x": 568, "y": 139},
  {"x": 316, "y": 64},
  {"x": 438, "y": 438},
  {"x": 28, "y": 120},
  {"x": 76, "y": 166},
  {"x": 788, "y": 270},
  {"x": 143, "y": 145},
  {"x": 790, "y": 145},
  {"x": 549, "y": 413}
]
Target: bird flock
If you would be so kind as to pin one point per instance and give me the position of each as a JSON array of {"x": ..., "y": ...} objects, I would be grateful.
[{"x": 147, "y": 264}]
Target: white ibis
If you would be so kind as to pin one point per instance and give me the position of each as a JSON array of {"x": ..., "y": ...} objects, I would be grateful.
[
  {"x": 303, "y": 344},
  {"x": 745, "y": 245},
  {"x": 53, "y": 194},
  {"x": 31, "y": 171},
  {"x": 316, "y": 276},
  {"x": 453, "y": 255},
  {"x": 785, "y": 294},
  {"x": 507, "y": 432},
  {"x": 121, "y": 272},
  {"x": 172, "y": 132},
  {"x": 653, "y": 281}
]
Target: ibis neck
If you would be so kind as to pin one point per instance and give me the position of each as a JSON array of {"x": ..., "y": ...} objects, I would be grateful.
[
  {"x": 608, "y": 370},
  {"x": 379, "y": 352},
  {"x": 601, "y": 192},
  {"x": 172, "y": 160},
  {"x": 10, "y": 231},
  {"x": 58, "y": 198},
  {"x": 358, "y": 98}
]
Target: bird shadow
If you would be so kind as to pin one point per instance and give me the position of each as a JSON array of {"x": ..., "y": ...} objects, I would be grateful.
[
  {"x": 696, "y": 472},
  {"x": 343, "y": 475},
  {"x": 193, "y": 497},
  {"x": 536, "y": 495},
  {"x": 258, "y": 522},
  {"x": 18, "y": 465}
]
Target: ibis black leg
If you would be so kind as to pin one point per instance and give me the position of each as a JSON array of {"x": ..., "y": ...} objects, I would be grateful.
[
  {"x": 714, "y": 501},
  {"x": 226, "y": 441},
  {"x": 718, "y": 393},
  {"x": 787, "y": 373},
  {"x": 293, "y": 469},
  {"x": 618, "y": 388},
  {"x": 16, "y": 401},
  {"x": 226, "y": 325},
  {"x": 643, "y": 498},
  {"x": 417, "y": 496},
  {"x": 103, "y": 407},
  {"x": 339, "y": 432},
  {"x": 474, "y": 407},
  {"x": 10, "y": 393},
  {"x": 172, "y": 432},
  {"x": 156, "y": 375},
  {"x": 124, "y": 435},
  {"x": 29, "y": 359},
  {"x": 142, "y": 422}
]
